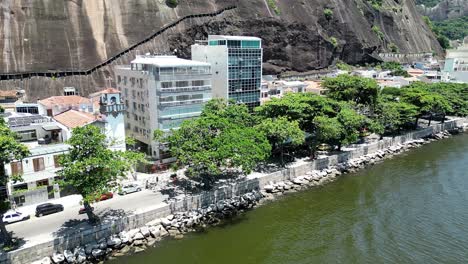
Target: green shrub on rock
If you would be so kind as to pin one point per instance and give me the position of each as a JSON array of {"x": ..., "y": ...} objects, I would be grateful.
[{"x": 172, "y": 3}]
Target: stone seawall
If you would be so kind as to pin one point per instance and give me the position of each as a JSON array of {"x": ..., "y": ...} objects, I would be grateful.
[{"x": 255, "y": 182}]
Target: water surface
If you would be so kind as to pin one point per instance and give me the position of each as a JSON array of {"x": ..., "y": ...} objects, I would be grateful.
[{"x": 409, "y": 209}]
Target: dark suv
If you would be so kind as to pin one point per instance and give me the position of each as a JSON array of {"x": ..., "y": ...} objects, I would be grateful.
[{"x": 48, "y": 208}]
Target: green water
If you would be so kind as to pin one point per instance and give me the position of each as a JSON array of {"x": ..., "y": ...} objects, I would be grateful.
[{"x": 409, "y": 209}]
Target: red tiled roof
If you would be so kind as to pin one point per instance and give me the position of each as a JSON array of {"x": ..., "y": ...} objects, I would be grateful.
[
  {"x": 64, "y": 100},
  {"x": 9, "y": 93},
  {"x": 109, "y": 90},
  {"x": 73, "y": 118}
]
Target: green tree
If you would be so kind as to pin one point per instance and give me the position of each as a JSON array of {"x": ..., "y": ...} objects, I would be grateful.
[
  {"x": 300, "y": 107},
  {"x": 428, "y": 103},
  {"x": 329, "y": 130},
  {"x": 343, "y": 129},
  {"x": 10, "y": 150},
  {"x": 344, "y": 87},
  {"x": 395, "y": 116},
  {"x": 219, "y": 142},
  {"x": 91, "y": 168},
  {"x": 280, "y": 132}
]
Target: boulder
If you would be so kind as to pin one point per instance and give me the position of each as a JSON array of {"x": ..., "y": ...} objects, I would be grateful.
[
  {"x": 268, "y": 188},
  {"x": 145, "y": 231},
  {"x": 58, "y": 258},
  {"x": 166, "y": 222},
  {"x": 89, "y": 248},
  {"x": 139, "y": 242},
  {"x": 69, "y": 256},
  {"x": 114, "y": 241},
  {"x": 133, "y": 232},
  {"x": 154, "y": 231},
  {"x": 103, "y": 244},
  {"x": 170, "y": 217},
  {"x": 97, "y": 253},
  {"x": 138, "y": 236},
  {"x": 80, "y": 254},
  {"x": 125, "y": 237}
]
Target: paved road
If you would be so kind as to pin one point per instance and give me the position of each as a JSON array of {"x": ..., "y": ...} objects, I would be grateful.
[{"x": 36, "y": 230}]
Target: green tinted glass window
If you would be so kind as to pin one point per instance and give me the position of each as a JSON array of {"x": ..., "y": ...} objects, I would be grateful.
[{"x": 250, "y": 44}]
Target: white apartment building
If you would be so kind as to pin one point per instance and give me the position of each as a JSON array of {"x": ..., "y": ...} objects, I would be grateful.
[
  {"x": 456, "y": 64},
  {"x": 160, "y": 92},
  {"x": 38, "y": 173},
  {"x": 236, "y": 63}
]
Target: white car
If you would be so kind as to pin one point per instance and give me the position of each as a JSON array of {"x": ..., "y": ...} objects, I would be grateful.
[
  {"x": 129, "y": 188},
  {"x": 12, "y": 217}
]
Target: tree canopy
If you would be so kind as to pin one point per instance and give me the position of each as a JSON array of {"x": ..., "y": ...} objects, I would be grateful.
[
  {"x": 222, "y": 140},
  {"x": 91, "y": 168},
  {"x": 10, "y": 150},
  {"x": 362, "y": 91}
]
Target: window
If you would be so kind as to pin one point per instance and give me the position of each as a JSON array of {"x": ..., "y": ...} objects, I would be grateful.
[
  {"x": 125, "y": 80},
  {"x": 17, "y": 168},
  {"x": 38, "y": 164},
  {"x": 166, "y": 85},
  {"x": 135, "y": 117},
  {"x": 198, "y": 83},
  {"x": 126, "y": 92},
  {"x": 182, "y": 84},
  {"x": 126, "y": 103},
  {"x": 134, "y": 106},
  {"x": 182, "y": 97},
  {"x": 119, "y": 79},
  {"x": 44, "y": 182},
  {"x": 56, "y": 161}
]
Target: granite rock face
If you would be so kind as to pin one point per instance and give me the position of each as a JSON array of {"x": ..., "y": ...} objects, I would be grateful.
[
  {"x": 446, "y": 9},
  {"x": 51, "y": 35}
]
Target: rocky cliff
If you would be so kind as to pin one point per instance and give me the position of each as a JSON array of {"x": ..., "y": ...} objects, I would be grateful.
[
  {"x": 40, "y": 36},
  {"x": 447, "y": 9}
]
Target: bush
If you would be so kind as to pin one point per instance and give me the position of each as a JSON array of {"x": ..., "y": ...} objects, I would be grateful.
[
  {"x": 393, "y": 48},
  {"x": 272, "y": 5},
  {"x": 172, "y": 3},
  {"x": 344, "y": 66},
  {"x": 378, "y": 32},
  {"x": 334, "y": 42},
  {"x": 328, "y": 13}
]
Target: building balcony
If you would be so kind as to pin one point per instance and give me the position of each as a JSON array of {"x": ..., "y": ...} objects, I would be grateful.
[
  {"x": 183, "y": 77},
  {"x": 185, "y": 89},
  {"x": 179, "y": 103}
]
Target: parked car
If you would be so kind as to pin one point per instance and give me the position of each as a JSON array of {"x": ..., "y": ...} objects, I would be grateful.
[
  {"x": 48, "y": 208},
  {"x": 12, "y": 217},
  {"x": 105, "y": 196},
  {"x": 83, "y": 210},
  {"x": 129, "y": 188}
]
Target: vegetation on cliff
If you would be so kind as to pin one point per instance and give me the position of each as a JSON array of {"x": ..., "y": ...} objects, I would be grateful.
[{"x": 453, "y": 29}]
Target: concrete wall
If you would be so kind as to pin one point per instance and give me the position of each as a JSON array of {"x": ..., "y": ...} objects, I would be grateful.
[{"x": 79, "y": 236}]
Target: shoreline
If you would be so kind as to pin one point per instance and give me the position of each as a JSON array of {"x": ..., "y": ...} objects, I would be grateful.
[{"x": 133, "y": 234}]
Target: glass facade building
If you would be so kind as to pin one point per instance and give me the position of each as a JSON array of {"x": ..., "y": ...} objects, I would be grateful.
[{"x": 243, "y": 70}]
